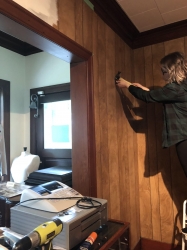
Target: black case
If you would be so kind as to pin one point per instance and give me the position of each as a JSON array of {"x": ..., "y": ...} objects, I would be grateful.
[
  {"x": 5, "y": 205},
  {"x": 2, "y": 211},
  {"x": 57, "y": 173}
]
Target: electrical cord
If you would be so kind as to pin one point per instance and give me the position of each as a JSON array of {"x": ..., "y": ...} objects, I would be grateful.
[
  {"x": 56, "y": 198},
  {"x": 87, "y": 200}
]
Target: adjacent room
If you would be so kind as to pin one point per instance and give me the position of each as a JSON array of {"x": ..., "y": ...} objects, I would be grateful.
[{"x": 110, "y": 147}]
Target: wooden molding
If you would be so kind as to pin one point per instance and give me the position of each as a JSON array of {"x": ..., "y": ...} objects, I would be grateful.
[
  {"x": 162, "y": 34},
  {"x": 22, "y": 17},
  {"x": 112, "y": 14},
  {"x": 91, "y": 118},
  {"x": 16, "y": 45}
]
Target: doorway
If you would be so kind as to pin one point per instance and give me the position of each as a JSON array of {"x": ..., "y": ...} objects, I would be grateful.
[{"x": 16, "y": 21}]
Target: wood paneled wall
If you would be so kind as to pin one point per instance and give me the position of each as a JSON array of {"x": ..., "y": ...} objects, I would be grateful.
[
  {"x": 143, "y": 183},
  {"x": 162, "y": 183},
  {"x": 116, "y": 141}
]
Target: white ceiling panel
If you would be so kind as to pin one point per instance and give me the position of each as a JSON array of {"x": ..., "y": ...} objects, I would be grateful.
[
  {"x": 175, "y": 16},
  {"x": 134, "y": 7},
  {"x": 150, "y": 14},
  {"x": 147, "y": 20},
  {"x": 165, "y": 6}
]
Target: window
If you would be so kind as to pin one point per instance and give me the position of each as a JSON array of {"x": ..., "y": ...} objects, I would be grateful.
[
  {"x": 57, "y": 125},
  {"x": 51, "y": 133}
]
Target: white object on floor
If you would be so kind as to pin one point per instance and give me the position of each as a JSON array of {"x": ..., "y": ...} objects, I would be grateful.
[
  {"x": 23, "y": 165},
  {"x": 184, "y": 224}
]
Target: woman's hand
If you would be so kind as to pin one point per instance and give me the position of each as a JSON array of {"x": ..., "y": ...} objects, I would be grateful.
[
  {"x": 122, "y": 83},
  {"x": 141, "y": 86}
]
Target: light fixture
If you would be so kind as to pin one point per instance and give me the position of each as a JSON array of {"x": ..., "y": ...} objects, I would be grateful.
[
  {"x": 34, "y": 104},
  {"x": 41, "y": 93}
]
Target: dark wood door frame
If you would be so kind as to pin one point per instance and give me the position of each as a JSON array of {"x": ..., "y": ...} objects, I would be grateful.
[
  {"x": 5, "y": 120},
  {"x": 22, "y": 24}
]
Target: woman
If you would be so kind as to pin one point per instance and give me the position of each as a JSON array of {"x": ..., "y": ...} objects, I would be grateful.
[{"x": 174, "y": 98}]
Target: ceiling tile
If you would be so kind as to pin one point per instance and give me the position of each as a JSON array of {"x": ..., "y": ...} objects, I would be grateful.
[
  {"x": 134, "y": 7},
  {"x": 169, "y": 5},
  {"x": 175, "y": 16},
  {"x": 151, "y": 19},
  {"x": 150, "y": 14}
]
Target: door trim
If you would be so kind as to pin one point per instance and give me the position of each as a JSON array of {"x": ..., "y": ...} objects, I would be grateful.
[{"x": 37, "y": 30}]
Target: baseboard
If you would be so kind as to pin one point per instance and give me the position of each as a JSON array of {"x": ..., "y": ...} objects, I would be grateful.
[{"x": 147, "y": 244}]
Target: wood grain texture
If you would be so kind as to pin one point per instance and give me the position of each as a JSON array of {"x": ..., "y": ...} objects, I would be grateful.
[
  {"x": 66, "y": 18},
  {"x": 112, "y": 126},
  {"x": 123, "y": 57},
  {"x": 79, "y": 127},
  {"x": 79, "y": 22},
  {"x": 151, "y": 169},
  {"x": 143, "y": 183},
  {"x": 103, "y": 121},
  {"x": 167, "y": 180},
  {"x": 134, "y": 173},
  {"x": 87, "y": 27},
  {"x": 96, "y": 105}
]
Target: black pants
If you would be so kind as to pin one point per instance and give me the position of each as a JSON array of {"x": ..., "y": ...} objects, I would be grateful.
[{"x": 181, "y": 148}]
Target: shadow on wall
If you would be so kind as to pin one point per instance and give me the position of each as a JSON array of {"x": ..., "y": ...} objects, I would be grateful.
[{"x": 165, "y": 162}]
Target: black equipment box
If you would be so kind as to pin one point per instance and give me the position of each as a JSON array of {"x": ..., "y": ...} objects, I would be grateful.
[{"x": 57, "y": 173}]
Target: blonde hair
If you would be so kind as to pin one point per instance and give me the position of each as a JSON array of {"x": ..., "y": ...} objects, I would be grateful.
[{"x": 176, "y": 65}]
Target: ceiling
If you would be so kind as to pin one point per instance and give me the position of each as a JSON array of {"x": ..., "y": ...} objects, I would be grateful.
[
  {"x": 138, "y": 22},
  {"x": 151, "y": 14},
  {"x": 142, "y": 23}
]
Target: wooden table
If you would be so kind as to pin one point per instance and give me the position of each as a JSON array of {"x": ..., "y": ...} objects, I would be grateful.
[{"x": 114, "y": 237}]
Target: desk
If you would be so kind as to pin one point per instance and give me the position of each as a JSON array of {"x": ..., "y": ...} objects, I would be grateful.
[{"x": 114, "y": 237}]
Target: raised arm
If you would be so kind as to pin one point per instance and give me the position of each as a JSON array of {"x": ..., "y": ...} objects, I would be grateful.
[{"x": 122, "y": 83}]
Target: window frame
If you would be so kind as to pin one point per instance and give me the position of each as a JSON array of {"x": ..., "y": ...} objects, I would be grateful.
[
  {"x": 5, "y": 120},
  {"x": 48, "y": 157}
]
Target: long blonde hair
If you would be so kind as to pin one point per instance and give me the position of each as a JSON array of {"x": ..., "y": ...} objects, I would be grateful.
[{"x": 176, "y": 65}]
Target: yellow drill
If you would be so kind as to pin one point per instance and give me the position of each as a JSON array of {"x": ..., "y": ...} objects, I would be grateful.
[{"x": 41, "y": 236}]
